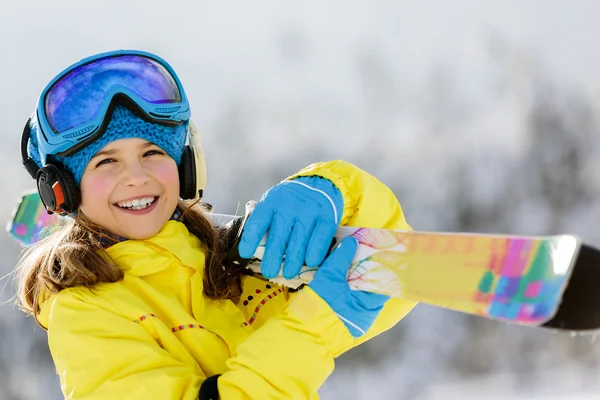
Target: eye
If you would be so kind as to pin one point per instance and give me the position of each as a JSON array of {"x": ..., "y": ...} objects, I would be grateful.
[
  {"x": 153, "y": 152},
  {"x": 105, "y": 161}
]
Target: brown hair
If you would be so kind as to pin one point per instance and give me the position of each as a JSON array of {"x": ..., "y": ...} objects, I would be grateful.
[{"x": 72, "y": 255}]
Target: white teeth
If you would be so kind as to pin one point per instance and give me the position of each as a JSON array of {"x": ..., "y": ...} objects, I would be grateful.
[{"x": 137, "y": 204}]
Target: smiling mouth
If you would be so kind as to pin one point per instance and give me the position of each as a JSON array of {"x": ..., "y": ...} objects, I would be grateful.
[{"x": 137, "y": 204}]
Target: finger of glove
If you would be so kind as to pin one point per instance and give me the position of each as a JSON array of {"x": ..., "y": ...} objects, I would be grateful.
[
  {"x": 255, "y": 228},
  {"x": 369, "y": 301},
  {"x": 277, "y": 239},
  {"x": 319, "y": 242},
  {"x": 296, "y": 249},
  {"x": 335, "y": 267}
]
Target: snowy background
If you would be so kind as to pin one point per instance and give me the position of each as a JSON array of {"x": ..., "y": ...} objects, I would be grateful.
[{"x": 480, "y": 115}]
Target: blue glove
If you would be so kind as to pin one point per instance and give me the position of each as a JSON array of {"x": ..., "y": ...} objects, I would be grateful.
[
  {"x": 357, "y": 309},
  {"x": 301, "y": 217}
]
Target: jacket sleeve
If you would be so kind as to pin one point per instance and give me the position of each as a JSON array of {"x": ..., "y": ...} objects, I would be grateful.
[
  {"x": 101, "y": 355},
  {"x": 290, "y": 356},
  {"x": 368, "y": 203},
  {"x": 315, "y": 333}
]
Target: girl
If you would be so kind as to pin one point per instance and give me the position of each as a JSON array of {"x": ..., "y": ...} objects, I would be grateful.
[{"x": 135, "y": 292}]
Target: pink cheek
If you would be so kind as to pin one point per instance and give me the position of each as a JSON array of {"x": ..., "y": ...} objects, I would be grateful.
[
  {"x": 98, "y": 189},
  {"x": 167, "y": 174}
]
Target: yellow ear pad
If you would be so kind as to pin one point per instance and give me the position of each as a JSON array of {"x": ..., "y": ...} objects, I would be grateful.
[{"x": 194, "y": 140}]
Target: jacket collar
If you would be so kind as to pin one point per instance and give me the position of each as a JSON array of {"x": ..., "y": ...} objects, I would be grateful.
[
  {"x": 155, "y": 254},
  {"x": 106, "y": 242}
]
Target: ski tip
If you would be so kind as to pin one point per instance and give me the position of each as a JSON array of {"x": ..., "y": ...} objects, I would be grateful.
[{"x": 579, "y": 310}]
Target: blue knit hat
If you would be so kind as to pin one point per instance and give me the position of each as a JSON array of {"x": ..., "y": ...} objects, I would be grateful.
[{"x": 124, "y": 124}]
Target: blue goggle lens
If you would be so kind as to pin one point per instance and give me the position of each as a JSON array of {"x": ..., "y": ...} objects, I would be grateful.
[{"x": 78, "y": 97}]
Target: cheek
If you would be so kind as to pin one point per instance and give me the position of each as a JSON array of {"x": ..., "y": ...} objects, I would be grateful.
[
  {"x": 95, "y": 189},
  {"x": 168, "y": 176}
]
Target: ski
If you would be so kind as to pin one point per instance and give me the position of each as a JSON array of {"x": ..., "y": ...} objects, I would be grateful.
[{"x": 541, "y": 281}]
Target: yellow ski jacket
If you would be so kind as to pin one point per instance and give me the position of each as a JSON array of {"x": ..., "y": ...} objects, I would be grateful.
[{"x": 154, "y": 335}]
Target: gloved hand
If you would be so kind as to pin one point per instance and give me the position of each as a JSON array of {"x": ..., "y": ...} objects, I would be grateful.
[
  {"x": 357, "y": 309},
  {"x": 301, "y": 217}
]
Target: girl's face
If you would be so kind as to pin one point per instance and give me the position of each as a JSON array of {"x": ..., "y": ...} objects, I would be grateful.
[{"x": 131, "y": 188}]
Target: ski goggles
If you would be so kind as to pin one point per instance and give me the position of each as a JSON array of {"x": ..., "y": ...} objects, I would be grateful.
[{"x": 74, "y": 108}]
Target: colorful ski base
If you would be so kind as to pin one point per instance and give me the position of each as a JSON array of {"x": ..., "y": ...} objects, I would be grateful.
[
  {"x": 517, "y": 279},
  {"x": 30, "y": 220}
]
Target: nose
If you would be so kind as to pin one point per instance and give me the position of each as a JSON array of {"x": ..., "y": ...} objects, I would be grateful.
[{"x": 135, "y": 175}]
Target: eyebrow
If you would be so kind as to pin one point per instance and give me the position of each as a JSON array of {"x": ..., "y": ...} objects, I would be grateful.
[{"x": 113, "y": 151}]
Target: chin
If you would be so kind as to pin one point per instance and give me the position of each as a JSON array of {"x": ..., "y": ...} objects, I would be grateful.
[
  {"x": 141, "y": 227},
  {"x": 142, "y": 234}
]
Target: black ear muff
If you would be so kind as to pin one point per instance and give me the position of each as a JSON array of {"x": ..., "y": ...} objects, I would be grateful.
[
  {"x": 187, "y": 174},
  {"x": 56, "y": 186},
  {"x": 57, "y": 189}
]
